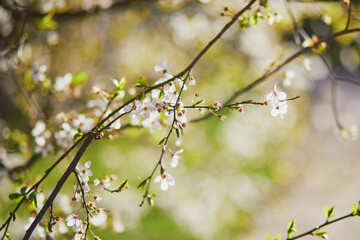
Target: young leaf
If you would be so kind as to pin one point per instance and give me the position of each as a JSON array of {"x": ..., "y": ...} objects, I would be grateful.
[
  {"x": 162, "y": 171},
  {"x": 141, "y": 82},
  {"x": 142, "y": 184},
  {"x": 47, "y": 22},
  {"x": 124, "y": 185},
  {"x": 13, "y": 196},
  {"x": 291, "y": 227},
  {"x": 80, "y": 78},
  {"x": 78, "y": 135},
  {"x": 277, "y": 237},
  {"x": 8, "y": 236},
  {"x": 355, "y": 209},
  {"x": 329, "y": 211},
  {"x": 322, "y": 234},
  {"x": 23, "y": 190},
  {"x": 122, "y": 83},
  {"x": 162, "y": 140}
]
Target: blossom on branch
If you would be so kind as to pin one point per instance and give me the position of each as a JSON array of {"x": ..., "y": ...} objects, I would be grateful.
[
  {"x": 175, "y": 157},
  {"x": 165, "y": 181},
  {"x": 74, "y": 221},
  {"x": 277, "y": 100},
  {"x": 103, "y": 183},
  {"x": 84, "y": 172}
]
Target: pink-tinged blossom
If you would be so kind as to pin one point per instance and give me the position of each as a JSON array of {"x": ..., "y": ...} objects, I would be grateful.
[
  {"x": 165, "y": 181},
  {"x": 74, "y": 221},
  {"x": 277, "y": 100},
  {"x": 84, "y": 172},
  {"x": 175, "y": 157}
]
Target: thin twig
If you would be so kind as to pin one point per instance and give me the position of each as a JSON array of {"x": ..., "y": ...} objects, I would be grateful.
[{"x": 311, "y": 231}]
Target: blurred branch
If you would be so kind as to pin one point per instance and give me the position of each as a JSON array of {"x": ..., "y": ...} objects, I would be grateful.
[{"x": 349, "y": 15}]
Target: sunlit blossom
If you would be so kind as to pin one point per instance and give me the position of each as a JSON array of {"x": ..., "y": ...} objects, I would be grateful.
[
  {"x": 74, "y": 221},
  {"x": 277, "y": 100},
  {"x": 165, "y": 181},
  {"x": 175, "y": 157},
  {"x": 84, "y": 172}
]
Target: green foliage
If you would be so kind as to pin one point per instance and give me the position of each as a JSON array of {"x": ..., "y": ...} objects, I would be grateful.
[
  {"x": 141, "y": 82},
  {"x": 8, "y": 236},
  {"x": 329, "y": 211},
  {"x": 321, "y": 233},
  {"x": 78, "y": 135},
  {"x": 291, "y": 227},
  {"x": 80, "y": 78},
  {"x": 47, "y": 22},
  {"x": 355, "y": 209},
  {"x": 277, "y": 237},
  {"x": 143, "y": 183},
  {"x": 13, "y": 196}
]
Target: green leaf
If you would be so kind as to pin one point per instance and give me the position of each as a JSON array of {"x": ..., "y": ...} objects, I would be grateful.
[
  {"x": 254, "y": 18},
  {"x": 322, "y": 234},
  {"x": 277, "y": 237},
  {"x": 199, "y": 102},
  {"x": 8, "y": 236},
  {"x": 78, "y": 135},
  {"x": 355, "y": 209},
  {"x": 122, "y": 83},
  {"x": 329, "y": 211},
  {"x": 141, "y": 82},
  {"x": 47, "y": 22},
  {"x": 162, "y": 171},
  {"x": 124, "y": 185},
  {"x": 80, "y": 78},
  {"x": 142, "y": 184},
  {"x": 162, "y": 140},
  {"x": 23, "y": 190},
  {"x": 31, "y": 196},
  {"x": 13, "y": 196},
  {"x": 291, "y": 227}
]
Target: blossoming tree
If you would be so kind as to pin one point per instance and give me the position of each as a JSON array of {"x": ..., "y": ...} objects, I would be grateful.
[{"x": 69, "y": 114}]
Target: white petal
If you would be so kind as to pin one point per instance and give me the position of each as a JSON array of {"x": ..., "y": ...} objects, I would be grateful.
[
  {"x": 274, "y": 112},
  {"x": 157, "y": 179},
  {"x": 174, "y": 162},
  {"x": 96, "y": 182},
  {"x": 87, "y": 164},
  {"x": 180, "y": 151},
  {"x": 79, "y": 167},
  {"x": 282, "y": 95},
  {"x": 164, "y": 185}
]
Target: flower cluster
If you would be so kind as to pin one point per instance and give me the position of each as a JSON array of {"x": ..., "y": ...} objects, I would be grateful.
[
  {"x": 84, "y": 173},
  {"x": 69, "y": 126}
]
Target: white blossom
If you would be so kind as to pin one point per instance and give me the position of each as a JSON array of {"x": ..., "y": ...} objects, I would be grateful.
[
  {"x": 103, "y": 183},
  {"x": 165, "y": 181},
  {"x": 84, "y": 172},
  {"x": 62, "y": 84},
  {"x": 38, "y": 73},
  {"x": 162, "y": 67},
  {"x": 175, "y": 157},
  {"x": 73, "y": 220},
  {"x": 277, "y": 100}
]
